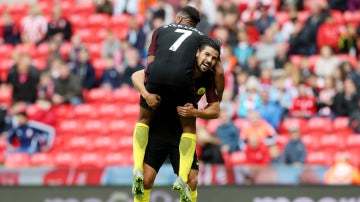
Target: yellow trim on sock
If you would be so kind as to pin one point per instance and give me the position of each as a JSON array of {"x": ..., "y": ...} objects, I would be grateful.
[
  {"x": 142, "y": 125},
  {"x": 193, "y": 195},
  {"x": 189, "y": 135}
]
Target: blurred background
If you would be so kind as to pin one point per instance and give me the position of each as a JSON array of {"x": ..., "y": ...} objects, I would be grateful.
[{"x": 290, "y": 113}]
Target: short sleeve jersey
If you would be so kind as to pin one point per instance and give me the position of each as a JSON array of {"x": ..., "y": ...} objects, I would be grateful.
[{"x": 174, "y": 47}]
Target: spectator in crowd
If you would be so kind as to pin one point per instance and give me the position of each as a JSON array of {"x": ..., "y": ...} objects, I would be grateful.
[
  {"x": 241, "y": 78},
  {"x": 278, "y": 93},
  {"x": 125, "y": 7},
  {"x": 227, "y": 132},
  {"x": 259, "y": 128},
  {"x": 33, "y": 26},
  {"x": 103, "y": 6},
  {"x": 164, "y": 9},
  {"x": 291, "y": 75},
  {"x": 209, "y": 145},
  {"x": 76, "y": 46},
  {"x": 304, "y": 105},
  {"x": 304, "y": 68},
  {"x": 110, "y": 45},
  {"x": 295, "y": 150},
  {"x": 342, "y": 172},
  {"x": 326, "y": 63},
  {"x": 265, "y": 50},
  {"x": 288, "y": 27},
  {"x": 348, "y": 41},
  {"x": 353, "y": 5},
  {"x": 299, "y": 41},
  {"x": 252, "y": 66},
  {"x": 229, "y": 64},
  {"x": 10, "y": 32},
  {"x": 276, "y": 155},
  {"x": 54, "y": 52},
  {"x": 265, "y": 20},
  {"x": 354, "y": 119},
  {"x": 269, "y": 110},
  {"x": 346, "y": 101},
  {"x": 339, "y": 76},
  {"x": 67, "y": 87},
  {"x": 59, "y": 28},
  {"x": 133, "y": 64},
  {"x": 256, "y": 152},
  {"x": 156, "y": 23},
  {"x": 249, "y": 100},
  {"x": 281, "y": 57},
  {"x": 84, "y": 70},
  {"x": 338, "y": 5},
  {"x": 45, "y": 87},
  {"x": 23, "y": 80},
  {"x": 111, "y": 77},
  {"x": 136, "y": 36},
  {"x": 326, "y": 96},
  {"x": 328, "y": 34},
  {"x": 32, "y": 136},
  {"x": 243, "y": 50}
]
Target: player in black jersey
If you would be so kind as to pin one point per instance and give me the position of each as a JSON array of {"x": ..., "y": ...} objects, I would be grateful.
[
  {"x": 165, "y": 129},
  {"x": 169, "y": 74}
]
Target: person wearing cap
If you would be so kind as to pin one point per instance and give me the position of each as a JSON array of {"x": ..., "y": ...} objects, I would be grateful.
[
  {"x": 295, "y": 150},
  {"x": 32, "y": 136}
]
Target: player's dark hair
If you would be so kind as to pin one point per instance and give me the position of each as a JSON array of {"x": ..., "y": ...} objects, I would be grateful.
[
  {"x": 192, "y": 12},
  {"x": 212, "y": 42}
]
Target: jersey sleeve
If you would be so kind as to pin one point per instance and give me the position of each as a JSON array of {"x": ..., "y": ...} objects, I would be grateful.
[
  {"x": 152, "y": 47},
  {"x": 211, "y": 95}
]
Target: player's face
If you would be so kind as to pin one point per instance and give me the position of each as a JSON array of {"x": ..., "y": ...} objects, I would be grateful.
[{"x": 206, "y": 58}]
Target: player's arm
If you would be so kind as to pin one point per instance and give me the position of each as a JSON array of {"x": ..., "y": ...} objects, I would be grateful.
[
  {"x": 219, "y": 79},
  {"x": 138, "y": 79},
  {"x": 211, "y": 111}
]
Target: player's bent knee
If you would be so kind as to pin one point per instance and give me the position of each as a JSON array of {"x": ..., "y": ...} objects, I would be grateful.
[
  {"x": 148, "y": 183},
  {"x": 145, "y": 116}
]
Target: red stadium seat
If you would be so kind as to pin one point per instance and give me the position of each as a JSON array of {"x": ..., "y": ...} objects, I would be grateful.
[
  {"x": 117, "y": 159},
  {"x": 98, "y": 20},
  {"x": 98, "y": 95},
  {"x": 311, "y": 142},
  {"x": 66, "y": 159},
  {"x": 282, "y": 140},
  {"x": 94, "y": 126},
  {"x": 348, "y": 58},
  {"x": 123, "y": 143},
  {"x": 5, "y": 96},
  {"x": 85, "y": 111},
  {"x": 352, "y": 17},
  {"x": 212, "y": 125},
  {"x": 131, "y": 111},
  {"x": 119, "y": 128},
  {"x": 42, "y": 50},
  {"x": 103, "y": 143},
  {"x": 331, "y": 143},
  {"x": 84, "y": 8},
  {"x": 69, "y": 126},
  {"x": 42, "y": 159},
  {"x": 17, "y": 160},
  {"x": 282, "y": 17},
  {"x": 26, "y": 49},
  {"x": 287, "y": 123},
  {"x": 119, "y": 21},
  {"x": 108, "y": 111},
  {"x": 39, "y": 63},
  {"x": 79, "y": 144},
  {"x": 95, "y": 49},
  {"x": 91, "y": 160},
  {"x": 317, "y": 158},
  {"x": 341, "y": 126},
  {"x": 99, "y": 64},
  {"x": 85, "y": 34},
  {"x": 240, "y": 123},
  {"x": 238, "y": 158},
  {"x": 353, "y": 143},
  {"x": 337, "y": 16},
  {"x": 321, "y": 125},
  {"x": 18, "y": 8},
  {"x": 296, "y": 59},
  {"x": 78, "y": 22},
  {"x": 6, "y": 51}
]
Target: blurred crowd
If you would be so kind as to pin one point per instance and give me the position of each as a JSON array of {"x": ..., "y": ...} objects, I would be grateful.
[{"x": 283, "y": 58}]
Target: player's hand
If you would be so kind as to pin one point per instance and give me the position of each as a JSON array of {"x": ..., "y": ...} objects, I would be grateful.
[
  {"x": 153, "y": 100},
  {"x": 187, "y": 110}
]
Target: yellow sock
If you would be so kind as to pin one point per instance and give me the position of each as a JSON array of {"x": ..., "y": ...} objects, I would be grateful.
[
  {"x": 186, "y": 149},
  {"x": 140, "y": 140},
  {"x": 193, "y": 195},
  {"x": 146, "y": 197}
]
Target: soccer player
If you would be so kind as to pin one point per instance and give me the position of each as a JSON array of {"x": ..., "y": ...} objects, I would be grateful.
[
  {"x": 169, "y": 74},
  {"x": 165, "y": 128}
]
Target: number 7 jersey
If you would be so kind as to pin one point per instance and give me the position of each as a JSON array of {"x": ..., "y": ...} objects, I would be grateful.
[{"x": 174, "y": 47}]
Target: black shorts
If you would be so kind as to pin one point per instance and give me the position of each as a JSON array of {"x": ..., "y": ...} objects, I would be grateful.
[
  {"x": 170, "y": 95},
  {"x": 164, "y": 138}
]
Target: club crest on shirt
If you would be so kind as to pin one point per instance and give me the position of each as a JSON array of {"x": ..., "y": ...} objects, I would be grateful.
[{"x": 201, "y": 91}]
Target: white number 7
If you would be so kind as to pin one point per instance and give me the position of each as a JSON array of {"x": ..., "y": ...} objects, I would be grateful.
[{"x": 178, "y": 42}]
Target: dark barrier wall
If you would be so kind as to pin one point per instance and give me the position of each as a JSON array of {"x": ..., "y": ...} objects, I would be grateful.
[{"x": 165, "y": 194}]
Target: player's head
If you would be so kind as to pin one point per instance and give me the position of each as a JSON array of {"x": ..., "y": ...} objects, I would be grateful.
[
  {"x": 188, "y": 15},
  {"x": 208, "y": 54}
]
